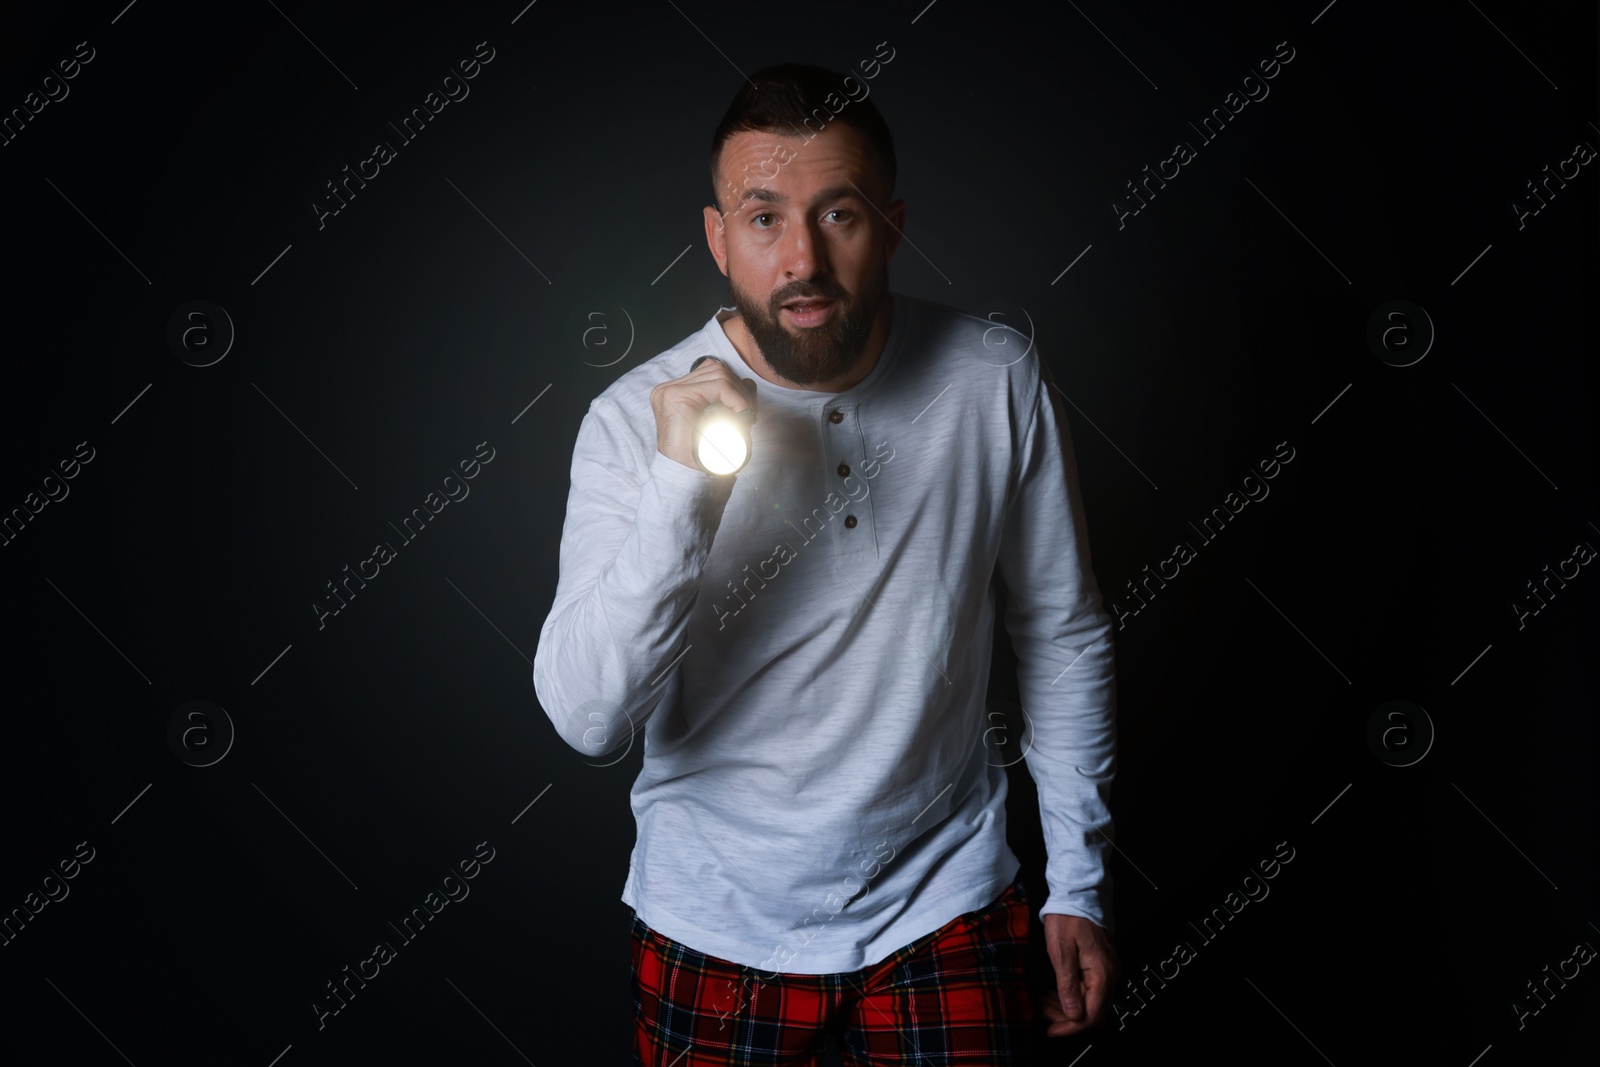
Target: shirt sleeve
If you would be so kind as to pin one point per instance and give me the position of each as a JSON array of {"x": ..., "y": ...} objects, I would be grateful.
[
  {"x": 1065, "y": 672},
  {"x": 638, "y": 529}
]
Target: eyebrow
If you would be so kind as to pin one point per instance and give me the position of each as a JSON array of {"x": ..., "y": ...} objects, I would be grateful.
[{"x": 836, "y": 192}]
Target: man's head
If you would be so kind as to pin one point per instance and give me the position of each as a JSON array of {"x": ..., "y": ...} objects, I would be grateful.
[{"x": 803, "y": 170}]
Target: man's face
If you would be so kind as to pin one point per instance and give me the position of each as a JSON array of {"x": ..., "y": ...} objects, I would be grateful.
[{"x": 805, "y": 250}]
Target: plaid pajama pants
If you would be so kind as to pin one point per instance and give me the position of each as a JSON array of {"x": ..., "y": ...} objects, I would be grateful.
[{"x": 958, "y": 995}]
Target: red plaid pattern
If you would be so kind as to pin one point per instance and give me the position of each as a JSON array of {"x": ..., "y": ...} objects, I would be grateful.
[{"x": 958, "y": 995}]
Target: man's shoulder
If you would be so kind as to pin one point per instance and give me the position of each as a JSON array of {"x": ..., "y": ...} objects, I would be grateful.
[
  {"x": 998, "y": 336},
  {"x": 932, "y": 314},
  {"x": 998, "y": 342}
]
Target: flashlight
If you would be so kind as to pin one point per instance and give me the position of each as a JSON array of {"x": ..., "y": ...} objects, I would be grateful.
[{"x": 722, "y": 435}]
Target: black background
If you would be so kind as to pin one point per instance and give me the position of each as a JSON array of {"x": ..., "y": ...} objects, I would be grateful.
[{"x": 1229, "y": 315}]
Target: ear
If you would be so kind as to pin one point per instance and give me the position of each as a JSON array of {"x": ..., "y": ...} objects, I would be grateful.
[
  {"x": 897, "y": 223},
  {"x": 717, "y": 237}
]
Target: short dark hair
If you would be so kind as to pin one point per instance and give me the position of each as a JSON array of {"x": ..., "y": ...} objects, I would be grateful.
[{"x": 787, "y": 98}]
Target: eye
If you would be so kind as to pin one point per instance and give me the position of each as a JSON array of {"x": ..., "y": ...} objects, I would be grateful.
[
  {"x": 847, "y": 216},
  {"x": 756, "y": 220}
]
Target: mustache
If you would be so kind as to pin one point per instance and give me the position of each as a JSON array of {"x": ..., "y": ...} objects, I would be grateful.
[{"x": 813, "y": 290}]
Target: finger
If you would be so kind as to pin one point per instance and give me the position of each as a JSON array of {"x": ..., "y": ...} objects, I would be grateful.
[
  {"x": 1097, "y": 986},
  {"x": 704, "y": 371},
  {"x": 707, "y": 367},
  {"x": 1057, "y": 1024},
  {"x": 1050, "y": 1008},
  {"x": 1069, "y": 983},
  {"x": 736, "y": 394},
  {"x": 713, "y": 380}
]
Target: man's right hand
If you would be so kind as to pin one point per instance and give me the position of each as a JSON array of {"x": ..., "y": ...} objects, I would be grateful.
[{"x": 679, "y": 402}]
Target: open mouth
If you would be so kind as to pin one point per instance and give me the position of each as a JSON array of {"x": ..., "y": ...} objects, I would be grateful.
[{"x": 809, "y": 311}]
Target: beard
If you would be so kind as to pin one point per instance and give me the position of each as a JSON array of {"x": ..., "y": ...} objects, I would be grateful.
[{"x": 814, "y": 354}]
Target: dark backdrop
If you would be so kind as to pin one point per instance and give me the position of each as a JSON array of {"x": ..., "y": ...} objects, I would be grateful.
[{"x": 541, "y": 236}]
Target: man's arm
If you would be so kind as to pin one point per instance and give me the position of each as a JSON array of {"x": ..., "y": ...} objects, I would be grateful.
[
  {"x": 633, "y": 547},
  {"x": 1065, "y": 675}
]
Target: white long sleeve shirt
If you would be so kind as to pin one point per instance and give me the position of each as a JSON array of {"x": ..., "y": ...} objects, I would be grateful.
[{"x": 803, "y": 649}]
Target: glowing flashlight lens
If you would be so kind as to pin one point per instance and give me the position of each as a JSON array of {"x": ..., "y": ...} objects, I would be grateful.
[{"x": 721, "y": 448}]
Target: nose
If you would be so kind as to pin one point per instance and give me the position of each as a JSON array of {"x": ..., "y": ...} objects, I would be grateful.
[{"x": 805, "y": 258}]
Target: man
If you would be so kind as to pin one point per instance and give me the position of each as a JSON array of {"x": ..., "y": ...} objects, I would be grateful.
[{"x": 804, "y": 645}]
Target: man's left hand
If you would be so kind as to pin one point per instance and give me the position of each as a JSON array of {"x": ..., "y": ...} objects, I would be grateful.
[{"x": 1086, "y": 968}]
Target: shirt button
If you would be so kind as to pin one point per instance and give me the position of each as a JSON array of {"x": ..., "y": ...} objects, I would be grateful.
[
  {"x": 835, "y": 417},
  {"x": 844, "y": 470},
  {"x": 850, "y": 521}
]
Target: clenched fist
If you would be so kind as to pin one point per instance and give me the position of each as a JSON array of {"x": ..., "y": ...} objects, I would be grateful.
[{"x": 679, "y": 402}]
